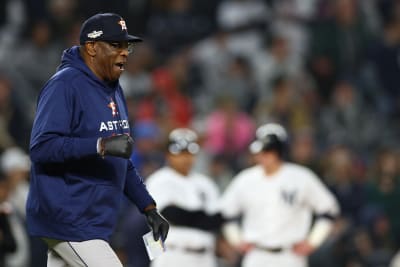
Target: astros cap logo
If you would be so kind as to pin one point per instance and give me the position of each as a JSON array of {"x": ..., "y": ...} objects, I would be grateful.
[{"x": 123, "y": 24}]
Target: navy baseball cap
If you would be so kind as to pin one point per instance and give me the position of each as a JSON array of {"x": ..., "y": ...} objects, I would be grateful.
[{"x": 105, "y": 27}]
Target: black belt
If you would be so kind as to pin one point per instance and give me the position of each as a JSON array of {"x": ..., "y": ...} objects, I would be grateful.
[
  {"x": 270, "y": 249},
  {"x": 200, "y": 250}
]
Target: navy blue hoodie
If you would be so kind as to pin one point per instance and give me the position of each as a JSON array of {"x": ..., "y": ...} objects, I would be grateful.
[{"x": 74, "y": 193}]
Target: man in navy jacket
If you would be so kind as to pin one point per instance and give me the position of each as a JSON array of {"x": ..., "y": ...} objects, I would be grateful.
[{"x": 80, "y": 148}]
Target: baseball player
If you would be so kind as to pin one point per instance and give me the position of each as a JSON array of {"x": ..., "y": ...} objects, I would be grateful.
[
  {"x": 277, "y": 201},
  {"x": 188, "y": 201}
]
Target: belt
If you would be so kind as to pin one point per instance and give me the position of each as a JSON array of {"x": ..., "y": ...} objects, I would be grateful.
[
  {"x": 200, "y": 250},
  {"x": 270, "y": 249}
]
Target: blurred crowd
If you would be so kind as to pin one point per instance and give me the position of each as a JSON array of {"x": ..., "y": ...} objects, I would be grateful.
[{"x": 328, "y": 70}]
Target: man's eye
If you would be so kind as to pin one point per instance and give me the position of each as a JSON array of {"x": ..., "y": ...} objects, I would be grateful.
[{"x": 115, "y": 45}]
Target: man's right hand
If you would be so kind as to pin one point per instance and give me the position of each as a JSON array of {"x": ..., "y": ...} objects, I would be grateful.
[{"x": 117, "y": 146}]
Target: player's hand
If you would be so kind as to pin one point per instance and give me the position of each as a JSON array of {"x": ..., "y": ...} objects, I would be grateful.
[
  {"x": 117, "y": 145},
  {"x": 244, "y": 248},
  {"x": 158, "y": 224},
  {"x": 303, "y": 248}
]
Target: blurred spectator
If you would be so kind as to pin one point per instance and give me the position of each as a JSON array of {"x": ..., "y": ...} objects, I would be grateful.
[
  {"x": 14, "y": 126},
  {"x": 337, "y": 45},
  {"x": 338, "y": 173},
  {"x": 16, "y": 165},
  {"x": 271, "y": 62},
  {"x": 359, "y": 250},
  {"x": 372, "y": 14},
  {"x": 228, "y": 131},
  {"x": 136, "y": 79},
  {"x": 170, "y": 84},
  {"x": 383, "y": 63},
  {"x": 35, "y": 10},
  {"x": 213, "y": 58},
  {"x": 38, "y": 57},
  {"x": 246, "y": 22},
  {"x": 291, "y": 20},
  {"x": 384, "y": 189},
  {"x": 379, "y": 228},
  {"x": 62, "y": 15},
  {"x": 6, "y": 140},
  {"x": 238, "y": 84},
  {"x": 7, "y": 240},
  {"x": 286, "y": 106},
  {"x": 126, "y": 8},
  {"x": 209, "y": 10},
  {"x": 175, "y": 26},
  {"x": 163, "y": 93},
  {"x": 303, "y": 150},
  {"x": 12, "y": 20},
  {"x": 71, "y": 38},
  {"x": 346, "y": 120},
  {"x": 147, "y": 107}
]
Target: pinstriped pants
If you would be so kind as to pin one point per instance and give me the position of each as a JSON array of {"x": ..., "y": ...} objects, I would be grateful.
[{"x": 91, "y": 253}]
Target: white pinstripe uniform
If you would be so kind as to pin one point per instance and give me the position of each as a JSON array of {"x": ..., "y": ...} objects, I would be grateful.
[
  {"x": 192, "y": 192},
  {"x": 277, "y": 211}
]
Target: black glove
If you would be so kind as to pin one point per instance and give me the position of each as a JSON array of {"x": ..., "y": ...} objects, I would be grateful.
[
  {"x": 117, "y": 145},
  {"x": 158, "y": 224}
]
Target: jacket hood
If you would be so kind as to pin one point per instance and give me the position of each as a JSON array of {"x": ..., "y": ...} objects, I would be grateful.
[{"x": 72, "y": 58}]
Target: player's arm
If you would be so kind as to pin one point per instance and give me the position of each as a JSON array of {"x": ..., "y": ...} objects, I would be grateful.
[
  {"x": 230, "y": 205},
  {"x": 51, "y": 139},
  {"x": 320, "y": 230},
  {"x": 193, "y": 218},
  {"x": 326, "y": 210},
  {"x": 136, "y": 191},
  {"x": 203, "y": 219}
]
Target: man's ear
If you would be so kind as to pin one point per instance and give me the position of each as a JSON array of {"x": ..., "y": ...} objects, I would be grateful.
[{"x": 90, "y": 48}]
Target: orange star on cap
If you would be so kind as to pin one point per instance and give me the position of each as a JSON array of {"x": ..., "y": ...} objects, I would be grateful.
[{"x": 123, "y": 24}]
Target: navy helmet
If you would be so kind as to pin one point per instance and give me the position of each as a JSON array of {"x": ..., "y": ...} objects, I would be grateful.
[
  {"x": 270, "y": 137},
  {"x": 183, "y": 139}
]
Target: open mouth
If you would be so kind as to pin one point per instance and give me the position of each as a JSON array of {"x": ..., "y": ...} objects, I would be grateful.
[{"x": 120, "y": 65}]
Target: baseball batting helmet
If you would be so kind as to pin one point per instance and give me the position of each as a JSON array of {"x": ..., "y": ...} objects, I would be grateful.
[
  {"x": 270, "y": 136},
  {"x": 183, "y": 139}
]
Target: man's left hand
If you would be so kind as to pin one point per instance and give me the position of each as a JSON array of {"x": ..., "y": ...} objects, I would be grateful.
[
  {"x": 158, "y": 224},
  {"x": 303, "y": 248}
]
